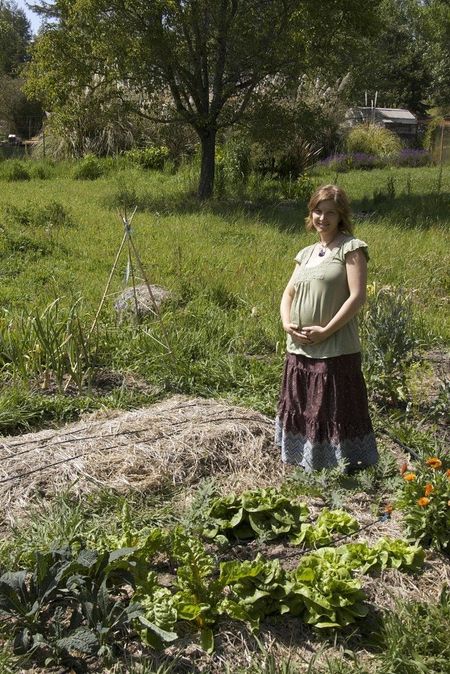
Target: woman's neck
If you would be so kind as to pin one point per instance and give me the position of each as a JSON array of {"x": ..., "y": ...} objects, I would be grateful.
[{"x": 325, "y": 241}]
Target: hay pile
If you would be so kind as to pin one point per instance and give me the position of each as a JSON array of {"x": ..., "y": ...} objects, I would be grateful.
[{"x": 177, "y": 441}]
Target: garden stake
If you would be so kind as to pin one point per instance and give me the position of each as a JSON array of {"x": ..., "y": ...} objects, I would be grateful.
[{"x": 126, "y": 234}]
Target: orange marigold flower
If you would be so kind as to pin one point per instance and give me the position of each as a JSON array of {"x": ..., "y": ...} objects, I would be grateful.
[
  {"x": 428, "y": 489},
  {"x": 434, "y": 462},
  {"x": 409, "y": 477},
  {"x": 448, "y": 473},
  {"x": 424, "y": 501},
  {"x": 389, "y": 508}
]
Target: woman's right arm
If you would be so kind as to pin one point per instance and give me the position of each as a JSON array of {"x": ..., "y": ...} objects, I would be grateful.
[
  {"x": 285, "y": 312},
  {"x": 286, "y": 303}
]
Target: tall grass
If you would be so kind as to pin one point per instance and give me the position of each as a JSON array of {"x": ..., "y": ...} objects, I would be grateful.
[{"x": 225, "y": 263}]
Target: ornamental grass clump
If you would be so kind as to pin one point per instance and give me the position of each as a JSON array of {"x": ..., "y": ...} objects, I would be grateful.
[
  {"x": 425, "y": 500},
  {"x": 373, "y": 139}
]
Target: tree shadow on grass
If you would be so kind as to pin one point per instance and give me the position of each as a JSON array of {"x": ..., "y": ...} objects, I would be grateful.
[{"x": 410, "y": 211}]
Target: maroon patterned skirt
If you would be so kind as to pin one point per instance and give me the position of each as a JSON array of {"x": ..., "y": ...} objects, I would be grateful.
[{"x": 323, "y": 417}]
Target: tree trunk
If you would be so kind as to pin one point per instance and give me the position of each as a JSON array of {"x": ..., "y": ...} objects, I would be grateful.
[{"x": 206, "y": 184}]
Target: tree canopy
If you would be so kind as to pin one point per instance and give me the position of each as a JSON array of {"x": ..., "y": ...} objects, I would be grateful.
[
  {"x": 15, "y": 36},
  {"x": 199, "y": 61}
]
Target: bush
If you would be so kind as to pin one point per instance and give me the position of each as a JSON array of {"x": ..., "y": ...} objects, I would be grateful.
[
  {"x": 373, "y": 140},
  {"x": 41, "y": 172},
  {"x": 149, "y": 157},
  {"x": 357, "y": 160},
  {"x": 88, "y": 168},
  {"x": 236, "y": 163},
  {"x": 412, "y": 158},
  {"x": 15, "y": 170},
  {"x": 54, "y": 214},
  {"x": 388, "y": 334}
]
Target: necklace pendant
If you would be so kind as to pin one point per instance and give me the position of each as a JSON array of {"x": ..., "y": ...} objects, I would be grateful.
[{"x": 322, "y": 252}]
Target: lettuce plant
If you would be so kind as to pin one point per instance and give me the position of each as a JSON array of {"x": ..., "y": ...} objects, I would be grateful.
[{"x": 262, "y": 513}]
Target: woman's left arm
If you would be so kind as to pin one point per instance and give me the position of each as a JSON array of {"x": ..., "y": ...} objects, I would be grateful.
[{"x": 356, "y": 268}]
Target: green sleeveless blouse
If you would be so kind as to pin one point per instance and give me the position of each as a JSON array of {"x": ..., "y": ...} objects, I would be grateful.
[{"x": 320, "y": 292}]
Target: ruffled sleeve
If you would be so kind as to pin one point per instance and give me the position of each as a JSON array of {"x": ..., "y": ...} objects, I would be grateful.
[
  {"x": 302, "y": 255},
  {"x": 354, "y": 244}
]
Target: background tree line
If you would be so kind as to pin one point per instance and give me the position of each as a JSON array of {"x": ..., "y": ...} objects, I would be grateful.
[
  {"x": 190, "y": 72},
  {"x": 18, "y": 113}
]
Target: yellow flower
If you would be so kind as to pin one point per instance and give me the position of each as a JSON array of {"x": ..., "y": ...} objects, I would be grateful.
[
  {"x": 424, "y": 501},
  {"x": 428, "y": 489},
  {"x": 409, "y": 477},
  {"x": 434, "y": 462}
]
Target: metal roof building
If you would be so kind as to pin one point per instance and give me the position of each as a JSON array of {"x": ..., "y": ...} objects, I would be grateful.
[{"x": 401, "y": 121}]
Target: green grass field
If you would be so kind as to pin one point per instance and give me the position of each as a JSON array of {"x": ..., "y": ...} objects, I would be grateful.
[{"x": 226, "y": 264}]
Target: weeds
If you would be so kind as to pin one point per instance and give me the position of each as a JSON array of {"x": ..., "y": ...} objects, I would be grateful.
[{"x": 389, "y": 343}]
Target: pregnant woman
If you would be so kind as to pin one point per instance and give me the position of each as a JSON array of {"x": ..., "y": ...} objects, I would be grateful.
[{"x": 323, "y": 418}]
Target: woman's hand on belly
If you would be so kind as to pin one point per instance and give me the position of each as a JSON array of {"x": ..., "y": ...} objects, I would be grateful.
[
  {"x": 299, "y": 334},
  {"x": 315, "y": 334}
]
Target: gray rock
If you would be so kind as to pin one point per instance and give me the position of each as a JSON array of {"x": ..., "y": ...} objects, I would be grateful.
[{"x": 126, "y": 302}]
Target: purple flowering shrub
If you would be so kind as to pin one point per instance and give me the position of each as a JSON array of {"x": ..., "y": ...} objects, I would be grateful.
[
  {"x": 412, "y": 158},
  {"x": 355, "y": 160},
  {"x": 340, "y": 163}
]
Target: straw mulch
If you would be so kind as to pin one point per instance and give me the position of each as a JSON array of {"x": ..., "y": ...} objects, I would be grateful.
[{"x": 177, "y": 441}]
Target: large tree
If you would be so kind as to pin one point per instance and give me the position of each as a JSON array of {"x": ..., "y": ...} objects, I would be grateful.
[
  {"x": 17, "y": 113},
  {"x": 15, "y": 36},
  {"x": 396, "y": 66},
  {"x": 436, "y": 20},
  {"x": 199, "y": 61}
]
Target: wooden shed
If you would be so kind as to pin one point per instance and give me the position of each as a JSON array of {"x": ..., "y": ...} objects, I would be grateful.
[{"x": 401, "y": 121}]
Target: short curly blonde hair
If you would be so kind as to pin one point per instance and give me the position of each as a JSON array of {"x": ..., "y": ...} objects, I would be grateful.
[{"x": 336, "y": 194}]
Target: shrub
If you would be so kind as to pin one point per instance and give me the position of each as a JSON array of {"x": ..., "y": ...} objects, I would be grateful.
[
  {"x": 88, "y": 168},
  {"x": 388, "y": 334},
  {"x": 357, "y": 160},
  {"x": 412, "y": 158},
  {"x": 54, "y": 214},
  {"x": 149, "y": 157},
  {"x": 15, "y": 170},
  {"x": 374, "y": 140},
  {"x": 42, "y": 170},
  {"x": 236, "y": 163}
]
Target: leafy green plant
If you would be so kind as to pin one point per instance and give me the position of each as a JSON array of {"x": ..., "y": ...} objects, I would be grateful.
[
  {"x": 389, "y": 341},
  {"x": 319, "y": 533},
  {"x": 17, "y": 171},
  {"x": 257, "y": 589},
  {"x": 330, "y": 597},
  {"x": 386, "y": 553},
  {"x": 235, "y": 160},
  {"x": 425, "y": 502},
  {"x": 263, "y": 513},
  {"x": 88, "y": 168},
  {"x": 149, "y": 157}
]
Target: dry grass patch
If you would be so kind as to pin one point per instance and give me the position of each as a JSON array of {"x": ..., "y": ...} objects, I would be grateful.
[{"x": 176, "y": 442}]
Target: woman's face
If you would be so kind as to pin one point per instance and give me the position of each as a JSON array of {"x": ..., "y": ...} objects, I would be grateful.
[{"x": 325, "y": 218}]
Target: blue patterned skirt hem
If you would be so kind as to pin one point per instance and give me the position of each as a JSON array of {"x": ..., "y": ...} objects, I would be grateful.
[{"x": 349, "y": 454}]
